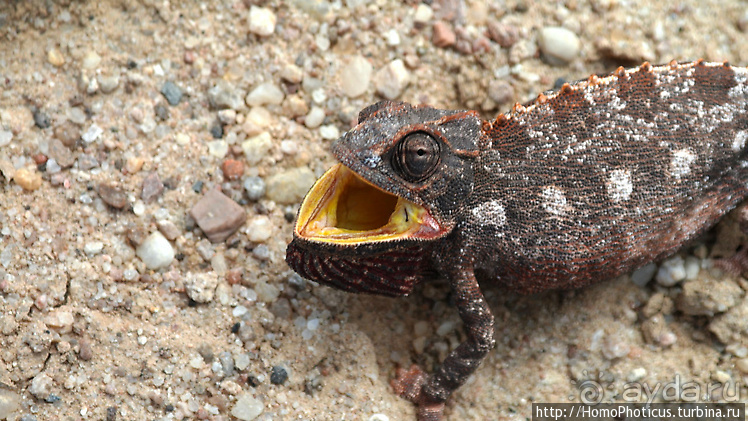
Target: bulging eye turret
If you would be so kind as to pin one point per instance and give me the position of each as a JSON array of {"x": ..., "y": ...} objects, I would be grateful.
[{"x": 416, "y": 156}]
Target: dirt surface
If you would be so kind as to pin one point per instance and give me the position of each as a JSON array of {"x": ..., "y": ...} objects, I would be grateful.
[{"x": 97, "y": 97}]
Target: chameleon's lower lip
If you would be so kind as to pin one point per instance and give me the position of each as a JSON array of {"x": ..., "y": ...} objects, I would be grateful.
[{"x": 343, "y": 208}]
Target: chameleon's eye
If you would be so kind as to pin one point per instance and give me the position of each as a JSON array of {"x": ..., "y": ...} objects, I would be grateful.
[{"x": 416, "y": 156}]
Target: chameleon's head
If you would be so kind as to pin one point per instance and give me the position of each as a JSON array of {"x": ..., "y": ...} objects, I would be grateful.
[{"x": 404, "y": 175}]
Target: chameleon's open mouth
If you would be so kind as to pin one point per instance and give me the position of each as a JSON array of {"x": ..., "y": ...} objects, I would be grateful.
[{"x": 343, "y": 208}]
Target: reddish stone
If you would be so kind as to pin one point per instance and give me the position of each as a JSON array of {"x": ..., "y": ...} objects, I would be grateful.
[
  {"x": 443, "y": 35},
  {"x": 232, "y": 169},
  {"x": 218, "y": 216}
]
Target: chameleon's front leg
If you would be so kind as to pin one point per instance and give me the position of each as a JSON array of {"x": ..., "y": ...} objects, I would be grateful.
[{"x": 430, "y": 392}]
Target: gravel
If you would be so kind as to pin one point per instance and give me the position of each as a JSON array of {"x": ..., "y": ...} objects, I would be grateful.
[
  {"x": 289, "y": 186},
  {"x": 355, "y": 76},
  {"x": 255, "y": 188},
  {"x": 391, "y": 79},
  {"x": 247, "y": 407},
  {"x": 156, "y": 251},
  {"x": 171, "y": 92},
  {"x": 558, "y": 45},
  {"x": 218, "y": 216}
]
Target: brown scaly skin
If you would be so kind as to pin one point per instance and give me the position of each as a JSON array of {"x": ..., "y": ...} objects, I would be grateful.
[{"x": 580, "y": 186}]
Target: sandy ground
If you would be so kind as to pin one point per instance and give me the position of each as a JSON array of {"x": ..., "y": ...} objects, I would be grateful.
[{"x": 87, "y": 331}]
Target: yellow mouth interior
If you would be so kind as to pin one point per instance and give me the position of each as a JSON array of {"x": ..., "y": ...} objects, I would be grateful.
[{"x": 343, "y": 208}]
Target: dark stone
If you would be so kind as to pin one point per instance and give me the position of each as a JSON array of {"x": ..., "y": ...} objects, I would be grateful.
[
  {"x": 112, "y": 196},
  {"x": 41, "y": 119},
  {"x": 171, "y": 92},
  {"x": 278, "y": 375},
  {"x": 216, "y": 130}
]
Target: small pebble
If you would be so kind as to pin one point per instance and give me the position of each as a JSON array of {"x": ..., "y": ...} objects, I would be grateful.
[
  {"x": 60, "y": 153},
  {"x": 671, "y": 271},
  {"x": 134, "y": 164},
  {"x": 112, "y": 195},
  {"x": 443, "y": 35},
  {"x": 92, "y": 134},
  {"x": 152, "y": 187},
  {"x": 171, "y": 92},
  {"x": 67, "y": 133},
  {"x": 5, "y": 137},
  {"x": 558, "y": 45},
  {"x": 379, "y": 417},
  {"x": 218, "y": 148},
  {"x": 742, "y": 365},
  {"x": 644, "y": 274},
  {"x": 264, "y": 94},
  {"x": 52, "y": 166},
  {"x": 91, "y": 60},
  {"x": 262, "y": 252},
  {"x": 315, "y": 117},
  {"x": 392, "y": 37},
  {"x": 29, "y": 179},
  {"x": 155, "y": 251},
  {"x": 500, "y": 91},
  {"x": 292, "y": 73},
  {"x": 226, "y": 95},
  {"x": 232, "y": 169},
  {"x": 355, "y": 77},
  {"x": 257, "y": 147},
  {"x": 289, "y": 147},
  {"x": 60, "y": 319},
  {"x": 10, "y": 402},
  {"x": 261, "y": 21},
  {"x": 721, "y": 376},
  {"x": 55, "y": 58},
  {"x": 502, "y": 34},
  {"x": 278, "y": 375},
  {"x": 169, "y": 229},
  {"x": 281, "y": 308},
  {"x": 227, "y": 117},
  {"x": 247, "y": 407},
  {"x": 218, "y": 216},
  {"x": 41, "y": 386},
  {"x": 260, "y": 229},
  {"x": 391, "y": 79},
  {"x": 290, "y": 186},
  {"x": 108, "y": 83},
  {"x": 255, "y": 188},
  {"x": 424, "y": 13},
  {"x": 201, "y": 287},
  {"x": 636, "y": 374},
  {"x": 87, "y": 162},
  {"x": 93, "y": 248},
  {"x": 329, "y": 132},
  {"x": 205, "y": 249},
  {"x": 41, "y": 119},
  {"x": 692, "y": 266},
  {"x": 216, "y": 130},
  {"x": 256, "y": 120}
]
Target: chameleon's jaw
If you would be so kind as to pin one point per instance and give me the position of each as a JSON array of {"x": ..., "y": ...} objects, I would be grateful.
[{"x": 343, "y": 208}]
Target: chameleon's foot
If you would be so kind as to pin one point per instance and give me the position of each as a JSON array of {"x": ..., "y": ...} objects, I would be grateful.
[{"x": 409, "y": 385}]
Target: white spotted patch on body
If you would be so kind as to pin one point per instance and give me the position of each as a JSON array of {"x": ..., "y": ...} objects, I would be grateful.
[
  {"x": 680, "y": 165},
  {"x": 490, "y": 213},
  {"x": 619, "y": 185},
  {"x": 738, "y": 144},
  {"x": 554, "y": 201}
]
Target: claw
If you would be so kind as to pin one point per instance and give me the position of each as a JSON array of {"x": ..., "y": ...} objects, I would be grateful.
[{"x": 409, "y": 385}]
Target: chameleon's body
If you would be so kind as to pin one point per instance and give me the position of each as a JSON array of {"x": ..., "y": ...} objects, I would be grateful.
[{"x": 579, "y": 186}]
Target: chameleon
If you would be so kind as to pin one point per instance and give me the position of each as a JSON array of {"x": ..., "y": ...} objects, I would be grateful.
[{"x": 581, "y": 185}]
